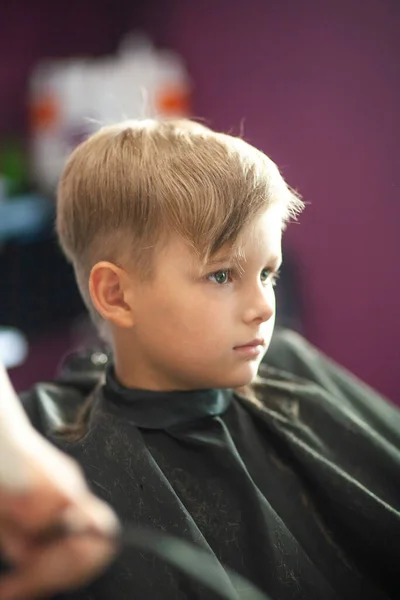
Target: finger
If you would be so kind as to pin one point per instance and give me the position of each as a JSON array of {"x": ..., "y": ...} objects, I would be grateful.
[
  {"x": 46, "y": 498},
  {"x": 97, "y": 520},
  {"x": 32, "y": 511},
  {"x": 63, "y": 565},
  {"x": 55, "y": 480},
  {"x": 13, "y": 545},
  {"x": 93, "y": 513},
  {"x": 90, "y": 516}
]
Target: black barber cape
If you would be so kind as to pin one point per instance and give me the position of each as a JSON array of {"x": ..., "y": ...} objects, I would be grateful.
[{"x": 299, "y": 492}]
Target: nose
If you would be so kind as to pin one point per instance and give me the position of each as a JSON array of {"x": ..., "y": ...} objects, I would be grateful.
[{"x": 260, "y": 305}]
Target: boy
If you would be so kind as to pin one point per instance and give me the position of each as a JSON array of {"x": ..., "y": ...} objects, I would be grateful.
[{"x": 174, "y": 232}]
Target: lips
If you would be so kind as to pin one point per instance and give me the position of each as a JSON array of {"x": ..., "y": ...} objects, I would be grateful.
[{"x": 252, "y": 344}]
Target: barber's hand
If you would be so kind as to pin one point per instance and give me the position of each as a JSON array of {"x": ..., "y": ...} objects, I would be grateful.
[{"x": 49, "y": 498}]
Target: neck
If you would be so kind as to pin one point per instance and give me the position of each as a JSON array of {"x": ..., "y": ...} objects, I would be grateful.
[{"x": 133, "y": 371}]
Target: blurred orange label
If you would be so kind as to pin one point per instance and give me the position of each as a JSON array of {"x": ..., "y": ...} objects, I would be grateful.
[
  {"x": 173, "y": 101},
  {"x": 43, "y": 113}
]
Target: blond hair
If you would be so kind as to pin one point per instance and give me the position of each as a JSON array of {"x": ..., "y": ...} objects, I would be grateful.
[{"x": 129, "y": 186}]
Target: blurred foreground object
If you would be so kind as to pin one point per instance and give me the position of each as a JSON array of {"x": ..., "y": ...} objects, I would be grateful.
[
  {"x": 13, "y": 347},
  {"x": 72, "y": 98}
]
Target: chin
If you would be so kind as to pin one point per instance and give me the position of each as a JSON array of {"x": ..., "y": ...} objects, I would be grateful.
[{"x": 243, "y": 375}]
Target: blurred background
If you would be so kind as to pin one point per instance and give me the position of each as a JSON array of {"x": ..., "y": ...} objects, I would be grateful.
[{"x": 314, "y": 84}]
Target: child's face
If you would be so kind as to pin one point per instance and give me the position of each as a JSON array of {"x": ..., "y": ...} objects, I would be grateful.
[{"x": 191, "y": 323}]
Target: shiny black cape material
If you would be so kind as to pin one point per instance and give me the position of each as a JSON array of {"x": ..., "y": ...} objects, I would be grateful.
[{"x": 299, "y": 491}]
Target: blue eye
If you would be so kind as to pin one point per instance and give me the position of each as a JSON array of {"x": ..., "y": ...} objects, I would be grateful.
[
  {"x": 224, "y": 276},
  {"x": 220, "y": 277},
  {"x": 268, "y": 274}
]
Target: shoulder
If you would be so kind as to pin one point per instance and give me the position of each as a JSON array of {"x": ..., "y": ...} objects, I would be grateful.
[
  {"x": 50, "y": 405},
  {"x": 299, "y": 368},
  {"x": 334, "y": 427}
]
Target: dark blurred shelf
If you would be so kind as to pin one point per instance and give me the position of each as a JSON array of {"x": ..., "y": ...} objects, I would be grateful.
[{"x": 37, "y": 286}]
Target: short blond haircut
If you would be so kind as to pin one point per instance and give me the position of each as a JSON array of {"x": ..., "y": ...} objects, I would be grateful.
[{"x": 129, "y": 186}]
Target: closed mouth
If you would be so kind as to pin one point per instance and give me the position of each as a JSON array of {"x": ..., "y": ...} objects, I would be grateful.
[{"x": 253, "y": 343}]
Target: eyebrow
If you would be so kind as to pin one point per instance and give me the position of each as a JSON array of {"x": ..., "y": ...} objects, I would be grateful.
[
  {"x": 275, "y": 260},
  {"x": 222, "y": 259}
]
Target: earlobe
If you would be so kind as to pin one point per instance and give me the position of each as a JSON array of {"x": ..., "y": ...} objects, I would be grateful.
[{"x": 110, "y": 292}]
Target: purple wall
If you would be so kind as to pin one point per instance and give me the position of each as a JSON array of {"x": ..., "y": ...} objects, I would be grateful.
[
  {"x": 317, "y": 86},
  {"x": 30, "y": 30}
]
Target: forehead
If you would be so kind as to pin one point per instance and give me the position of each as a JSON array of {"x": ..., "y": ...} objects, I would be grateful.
[
  {"x": 261, "y": 240},
  {"x": 265, "y": 230}
]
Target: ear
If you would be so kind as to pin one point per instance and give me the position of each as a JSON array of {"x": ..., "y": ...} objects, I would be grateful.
[{"x": 111, "y": 292}]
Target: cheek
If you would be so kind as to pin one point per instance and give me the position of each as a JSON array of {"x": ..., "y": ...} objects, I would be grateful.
[
  {"x": 268, "y": 326},
  {"x": 195, "y": 316},
  {"x": 188, "y": 318},
  {"x": 271, "y": 299}
]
